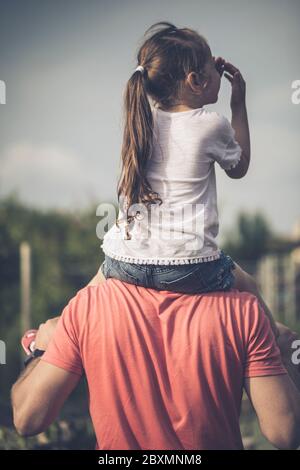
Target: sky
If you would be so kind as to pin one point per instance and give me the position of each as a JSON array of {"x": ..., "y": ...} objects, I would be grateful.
[{"x": 65, "y": 65}]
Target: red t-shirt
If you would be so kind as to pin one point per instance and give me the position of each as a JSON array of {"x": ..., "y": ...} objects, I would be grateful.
[{"x": 164, "y": 370}]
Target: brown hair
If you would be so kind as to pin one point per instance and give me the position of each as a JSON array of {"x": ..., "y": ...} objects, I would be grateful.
[{"x": 167, "y": 56}]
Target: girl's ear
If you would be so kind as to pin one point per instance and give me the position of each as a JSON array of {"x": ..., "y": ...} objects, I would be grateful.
[{"x": 197, "y": 81}]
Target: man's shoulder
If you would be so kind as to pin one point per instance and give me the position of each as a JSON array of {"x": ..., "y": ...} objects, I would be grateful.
[
  {"x": 229, "y": 301},
  {"x": 237, "y": 295},
  {"x": 240, "y": 308},
  {"x": 242, "y": 301},
  {"x": 103, "y": 291},
  {"x": 105, "y": 288},
  {"x": 233, "y": 295}
]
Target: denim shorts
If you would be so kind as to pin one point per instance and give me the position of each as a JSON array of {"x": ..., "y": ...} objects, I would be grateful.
[{"x": 189, "y": 278}]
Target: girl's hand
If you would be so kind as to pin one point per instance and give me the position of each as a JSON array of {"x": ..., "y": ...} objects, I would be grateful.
[
  {"x": 219, "y": 64},
  {"x": 238, "y": 84}
]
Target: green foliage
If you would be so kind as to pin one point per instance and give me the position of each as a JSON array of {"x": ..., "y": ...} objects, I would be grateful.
[
  {"x": 250, "y": 238},
  {"x": 61, "y": 435},
  {"x": 65, "y": 256}
]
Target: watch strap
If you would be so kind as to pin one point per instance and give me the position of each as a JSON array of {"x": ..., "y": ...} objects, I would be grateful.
[{"x": 35, "y": 354}]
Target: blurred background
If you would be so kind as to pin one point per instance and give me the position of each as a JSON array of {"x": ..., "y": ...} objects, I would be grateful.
[{"x": 65, "y": 65}]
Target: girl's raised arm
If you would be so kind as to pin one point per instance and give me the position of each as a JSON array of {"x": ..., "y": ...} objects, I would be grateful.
[{"x": 239, "y": 119}]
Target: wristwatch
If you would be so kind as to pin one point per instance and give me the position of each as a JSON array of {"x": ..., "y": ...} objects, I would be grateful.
[{"x": 35, "y": 353}]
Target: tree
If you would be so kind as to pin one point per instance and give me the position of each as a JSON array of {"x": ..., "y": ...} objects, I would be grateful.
[{"x": 250, "y": 239}]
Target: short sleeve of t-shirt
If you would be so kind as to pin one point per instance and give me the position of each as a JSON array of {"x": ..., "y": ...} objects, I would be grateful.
[
  {"x": 223, "y": 147},
  {"x": 263, "y": 355},
  {"x": 63, "y": 350}
]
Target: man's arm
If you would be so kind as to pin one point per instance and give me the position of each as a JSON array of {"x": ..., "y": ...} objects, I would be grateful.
[
  {"x": 41, "y": 390},
  {"x": 276, "y": 399},
  {"x": 38, "y": 396}
]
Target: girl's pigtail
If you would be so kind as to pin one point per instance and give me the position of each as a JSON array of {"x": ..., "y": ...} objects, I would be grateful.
[{"x": 137, "y": 146}]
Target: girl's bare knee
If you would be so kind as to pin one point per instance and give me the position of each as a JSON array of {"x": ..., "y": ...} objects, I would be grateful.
[
  {"x": 251, "y": 282},
  {"x": 244, "y": 281}
]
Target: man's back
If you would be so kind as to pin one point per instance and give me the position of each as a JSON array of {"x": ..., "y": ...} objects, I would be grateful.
[{"x": 165, "y": 370}]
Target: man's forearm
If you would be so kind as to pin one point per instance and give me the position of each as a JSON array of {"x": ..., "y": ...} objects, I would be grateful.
[
  {"x": 42, "y": 388},
  {"x": 18, "y": 390}
]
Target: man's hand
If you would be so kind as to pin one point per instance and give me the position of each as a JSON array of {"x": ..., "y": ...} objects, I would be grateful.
[
  {"x": 45, "y": 333},
  {"x": 41, "y": 390},
  {"x": 238, "y": 84}
]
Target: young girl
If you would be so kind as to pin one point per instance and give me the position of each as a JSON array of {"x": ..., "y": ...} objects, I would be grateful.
[{"x": 165, "y": 237}]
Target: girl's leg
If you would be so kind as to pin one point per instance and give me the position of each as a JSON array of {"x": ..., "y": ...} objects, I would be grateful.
[
  {"x": 246, "y": 282},
  {"x": 97, "y": 279}
]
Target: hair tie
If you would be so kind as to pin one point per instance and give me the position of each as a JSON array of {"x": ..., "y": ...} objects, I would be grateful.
[{"x": 140, "y": 68}]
